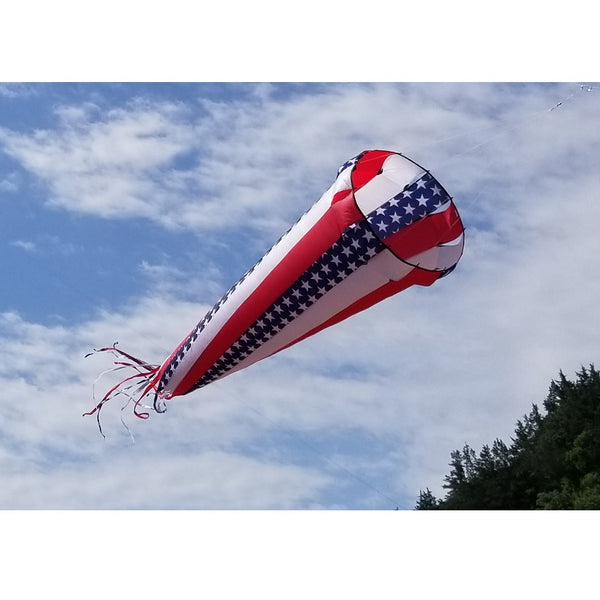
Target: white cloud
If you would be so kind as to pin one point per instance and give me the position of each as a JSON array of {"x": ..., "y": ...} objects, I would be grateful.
[
  {"x": 405, "y": 382},
  {"x": 50, "y": 449},
  {"x": 104, "y": 164},
  {"x": 10, "y": 183},
  {"x": 263, "y": 161},
  {"x": 46, "y": 243},
  {"x": 207, "y": 480},
  {"x": 26, "y": 245},
  {"x": 15, "y": 90}
]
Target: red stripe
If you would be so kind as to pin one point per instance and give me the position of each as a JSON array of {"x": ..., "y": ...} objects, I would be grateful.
[
  {"x": 368, "y": 167},
  {"x": 314, "y": 243},
  {"x": 415, "y": 277},
  {"x": 426, "y": 233}
]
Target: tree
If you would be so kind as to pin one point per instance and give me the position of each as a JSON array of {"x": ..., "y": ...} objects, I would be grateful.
[
  {"x": 553, "y": 461},
  {"x": 427, "y": 501}
]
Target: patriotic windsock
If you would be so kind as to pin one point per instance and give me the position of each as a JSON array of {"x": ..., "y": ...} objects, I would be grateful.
[{"x": 384, "y": 225}]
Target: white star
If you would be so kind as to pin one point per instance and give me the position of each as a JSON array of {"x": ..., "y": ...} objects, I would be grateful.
[
  {"x": 396, "y": 218},
  {"x": 422, "y": 200},
  {"x": 436, "y": 190},
  {"x": 421, "y": 184},
  {"x": 409, "y": 209}
]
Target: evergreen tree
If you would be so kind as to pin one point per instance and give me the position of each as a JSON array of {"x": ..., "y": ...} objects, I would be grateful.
[
  {"x": 427, "y": 501},
  {"x": 553, "y": 461}
]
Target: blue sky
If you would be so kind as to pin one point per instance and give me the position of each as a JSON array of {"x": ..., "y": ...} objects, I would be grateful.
[{"x": 128, "y": 209}]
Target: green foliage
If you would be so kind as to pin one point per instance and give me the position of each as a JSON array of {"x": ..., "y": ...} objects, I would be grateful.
[
  {"x": 427, "y": 501},
  {"x": 552, "y": 462}
]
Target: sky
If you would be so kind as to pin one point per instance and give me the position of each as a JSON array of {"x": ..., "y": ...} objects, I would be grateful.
[{"x": 127, "y": 210}]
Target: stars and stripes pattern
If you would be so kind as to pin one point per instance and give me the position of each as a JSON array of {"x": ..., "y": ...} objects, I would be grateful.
[{"x": 385, "y": 224}]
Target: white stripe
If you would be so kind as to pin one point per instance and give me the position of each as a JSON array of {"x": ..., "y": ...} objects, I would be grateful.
[
  {"x": 440, "y": 258},
  {"x": 398, "y": 172},
  {"x": 254, "y": 280}
]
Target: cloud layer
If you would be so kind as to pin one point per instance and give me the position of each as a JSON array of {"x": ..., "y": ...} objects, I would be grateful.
[{"x": 365, "y": 414}]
